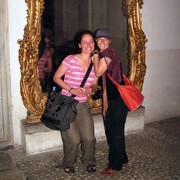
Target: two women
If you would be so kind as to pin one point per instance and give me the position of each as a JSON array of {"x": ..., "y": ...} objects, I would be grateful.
[{"x": 81, "y": 131}]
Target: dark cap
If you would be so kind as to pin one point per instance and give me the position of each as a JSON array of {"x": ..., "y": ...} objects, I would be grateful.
[{"x": 103, "y": 33}]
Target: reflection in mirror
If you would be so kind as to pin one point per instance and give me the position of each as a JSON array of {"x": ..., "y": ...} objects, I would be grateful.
[
  {"x": 64, "y": 18},
  {"x": 71, "y": 16},
  {"x": 46, "y": 58}
]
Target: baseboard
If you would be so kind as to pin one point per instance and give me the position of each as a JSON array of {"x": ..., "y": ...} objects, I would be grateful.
[{"x": 36, "y": 138}]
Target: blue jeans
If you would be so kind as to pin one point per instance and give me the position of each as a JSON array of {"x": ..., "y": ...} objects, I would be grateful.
[{"x": 81, "y": 132}]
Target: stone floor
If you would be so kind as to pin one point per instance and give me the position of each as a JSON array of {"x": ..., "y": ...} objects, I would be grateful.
[{"x": 154, "y": 154}]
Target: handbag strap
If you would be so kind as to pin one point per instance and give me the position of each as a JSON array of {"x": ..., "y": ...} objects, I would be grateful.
[
  {"x": 110, "y": 77},
  {"x": 86, "y": 75}
]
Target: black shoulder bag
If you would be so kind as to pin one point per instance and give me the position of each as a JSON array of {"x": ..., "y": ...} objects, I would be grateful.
[{"x": 61, "y": 110}]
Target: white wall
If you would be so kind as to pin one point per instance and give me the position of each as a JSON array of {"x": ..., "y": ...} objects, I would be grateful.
[
  {"x": 160, "y": 20},
  {"x": 17, "y": 21}
]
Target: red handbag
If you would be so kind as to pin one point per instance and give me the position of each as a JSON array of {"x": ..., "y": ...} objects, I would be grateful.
[{"x": 131, "y": 96}]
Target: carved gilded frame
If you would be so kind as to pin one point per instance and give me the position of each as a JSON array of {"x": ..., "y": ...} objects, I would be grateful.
[{"x": 33, "y": 98}]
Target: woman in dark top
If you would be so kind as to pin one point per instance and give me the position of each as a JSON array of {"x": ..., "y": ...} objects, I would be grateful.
[{"x": 114, "y": 108}]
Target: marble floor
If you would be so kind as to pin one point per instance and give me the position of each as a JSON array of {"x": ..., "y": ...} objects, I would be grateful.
[{"x": 154, "y": 154}]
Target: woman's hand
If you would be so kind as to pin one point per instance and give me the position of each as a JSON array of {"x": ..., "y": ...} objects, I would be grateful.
[
  {"x": 95, "y": 52},
  {"x": 95, "y": 57},
  {"x": 76, "y": 91},
  {"x": 85, "y": 91}
]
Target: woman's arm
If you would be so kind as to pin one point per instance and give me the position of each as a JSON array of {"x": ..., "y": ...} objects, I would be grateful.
[
  {"x": 48, "y": 67},
  {"x": 58, "y": 77},
  {"x": 49, "y": 53},
  {"x": 58, "y": 80},
  {"x": 100, "y": 66},
  {"x": 94, "y": 85}
]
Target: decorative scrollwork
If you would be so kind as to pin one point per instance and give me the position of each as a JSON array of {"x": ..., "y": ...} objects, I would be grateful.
[
  {"x": 137, "y": 40},
  {"x": 33, "y": 98}
]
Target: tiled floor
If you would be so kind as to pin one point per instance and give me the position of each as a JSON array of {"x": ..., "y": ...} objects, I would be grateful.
[{"x": 154, "y": 154}]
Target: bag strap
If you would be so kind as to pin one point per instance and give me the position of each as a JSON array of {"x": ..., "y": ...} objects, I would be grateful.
[
  {"x": 86, "y": 75},
  {"x": 110, "y": 77}
]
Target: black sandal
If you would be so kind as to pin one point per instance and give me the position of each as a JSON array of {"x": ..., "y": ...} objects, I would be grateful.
[
  {"x": 69, "y": 169},
  {"x": 91, "y": 168}
]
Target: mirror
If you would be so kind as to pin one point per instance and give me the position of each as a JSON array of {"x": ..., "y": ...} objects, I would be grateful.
[
  {"x": 61, "y": 19},
  {"x": 33, "y": 97}
]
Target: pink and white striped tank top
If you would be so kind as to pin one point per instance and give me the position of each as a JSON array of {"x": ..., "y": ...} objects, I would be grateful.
[{"x": 74, "y": 76}]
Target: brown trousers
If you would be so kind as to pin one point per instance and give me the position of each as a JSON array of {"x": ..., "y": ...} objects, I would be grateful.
[{"x": 81, "y": 132}]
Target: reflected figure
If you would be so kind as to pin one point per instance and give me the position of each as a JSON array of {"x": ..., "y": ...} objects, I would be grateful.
[{"x": 45, "y": 62}]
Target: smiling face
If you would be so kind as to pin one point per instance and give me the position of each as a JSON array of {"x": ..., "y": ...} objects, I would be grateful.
[
  {"x": 87, "y": 44},
  {"x": 103, "y": 43}
]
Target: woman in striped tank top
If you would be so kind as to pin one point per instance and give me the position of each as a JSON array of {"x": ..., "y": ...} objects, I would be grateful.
[
  {"x": 45, "y": 62},
  {"x": 81, "y": 132}
]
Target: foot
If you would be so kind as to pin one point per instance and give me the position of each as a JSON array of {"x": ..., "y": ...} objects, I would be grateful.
[
  {"x": 108, "y": 171},
  {"x": 69, "y": 169},
  {"x": 91, "y": 168},
  {"x": 125, "y": 161}
]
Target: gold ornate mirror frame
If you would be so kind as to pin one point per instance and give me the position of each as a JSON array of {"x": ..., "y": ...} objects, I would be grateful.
[{"x": 33, "y": 98}]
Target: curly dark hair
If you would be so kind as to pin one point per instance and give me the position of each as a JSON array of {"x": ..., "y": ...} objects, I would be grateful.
[{"x": 72, "y": 46}]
